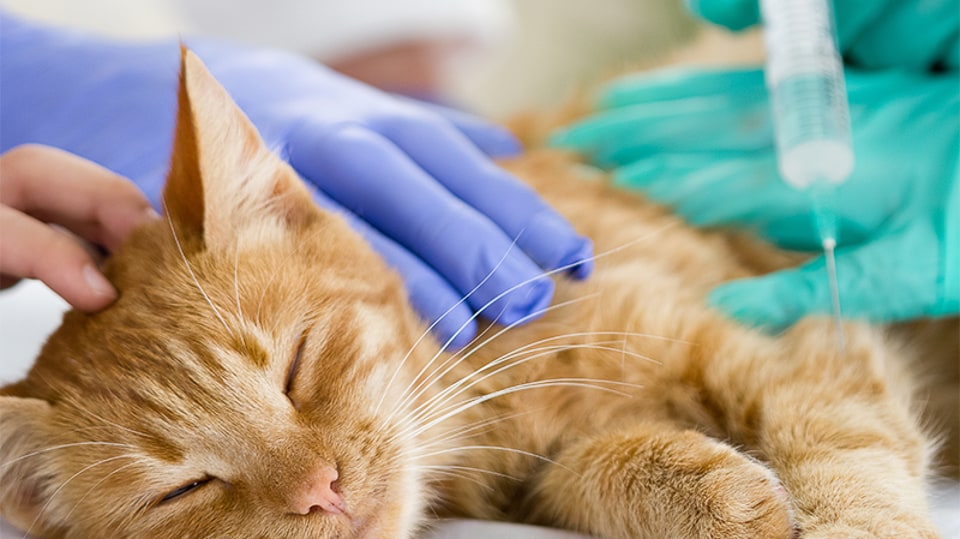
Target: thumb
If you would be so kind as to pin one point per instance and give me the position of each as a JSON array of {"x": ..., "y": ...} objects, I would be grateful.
[
  {"x": 734, "y": 14},
  {"x": 891, "y": 278}
]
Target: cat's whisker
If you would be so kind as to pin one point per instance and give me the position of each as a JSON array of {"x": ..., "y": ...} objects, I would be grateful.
[
  {"x": 196, "y": 281},
  {"x": 557, "y": 337},
  {"x": 436, "y": 470},
  {"x": 540, "y": 352},
  {"x": 236, "y": 289},
  {"x": 543, "y": 341},
  {"x": 64, "y": 484},
  {"x": 493, "y": 448},
  {"x": 427, "y": 331},
  {"x": 263, "y": 295},
  {"x": 556, "y": 271},
  {"x": 467, "y": 469},
  {"x": 426, "y": 377},
  {"x": 59, "y": 447},
  {"x": 108, "y": 428},
  {"x": 444, "y": 395},
  {"x": 560, "y": 269},
  {"x": 430, "y": 378},
  {"x": 97, "y": 484},
  {"x": 421, "y": 413},
  {"x": 100, "y": 418},
  {"x": 461, "y": 433},
  {"x": 587, "y": 383}
]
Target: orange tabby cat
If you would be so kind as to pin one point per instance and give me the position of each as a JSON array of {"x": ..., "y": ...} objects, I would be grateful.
[{"x": 262, "y": 375}]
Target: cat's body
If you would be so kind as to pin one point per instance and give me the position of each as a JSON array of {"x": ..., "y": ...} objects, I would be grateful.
[{"x": 634, "y": 410}]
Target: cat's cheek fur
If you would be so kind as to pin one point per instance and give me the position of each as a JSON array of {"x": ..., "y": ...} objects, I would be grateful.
[{"x": 22, "y": 483}]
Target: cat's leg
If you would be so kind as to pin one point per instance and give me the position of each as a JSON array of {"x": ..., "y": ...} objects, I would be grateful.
[
  {"x": 838, "y": 429},
  {"x": 656, "y": 481}
]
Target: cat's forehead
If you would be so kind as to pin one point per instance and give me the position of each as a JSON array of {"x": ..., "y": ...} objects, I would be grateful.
[{"x": 223, "y": 340}]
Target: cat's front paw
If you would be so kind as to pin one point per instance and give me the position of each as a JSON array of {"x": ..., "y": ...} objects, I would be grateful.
[{"x": 743, "y": 498}]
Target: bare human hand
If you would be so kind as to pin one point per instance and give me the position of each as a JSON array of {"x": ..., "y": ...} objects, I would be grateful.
[{"x": 42, "y": 186}]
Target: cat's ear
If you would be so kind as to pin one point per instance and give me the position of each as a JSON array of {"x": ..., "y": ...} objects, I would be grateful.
[
  {"x": 25, "y": 477},
  {"x": 223, "y": 178}
]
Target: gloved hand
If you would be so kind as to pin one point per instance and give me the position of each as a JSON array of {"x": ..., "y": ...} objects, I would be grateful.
[
  {"x": 701, "y": 142},
  {"x": 414, "y": 182},
  {"x": 874, "y": 34}
]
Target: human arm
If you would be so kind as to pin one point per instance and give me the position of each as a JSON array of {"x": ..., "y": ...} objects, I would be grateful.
[{"x": 419, "y": 185}]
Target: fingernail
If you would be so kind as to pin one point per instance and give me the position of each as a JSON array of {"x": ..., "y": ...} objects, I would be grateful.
[
  {"x": 506, "y": 145},
  {"x": 580, "y": 260},
  {"x": 97, "y": 282},
  {"x": 527, "y": 303},
  {"x": 560, "y": 246}
]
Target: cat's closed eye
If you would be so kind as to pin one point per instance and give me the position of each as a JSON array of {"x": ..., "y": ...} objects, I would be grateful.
[
  {"x": 294, "y": 365},
  {"x": 185, "y": 489}
]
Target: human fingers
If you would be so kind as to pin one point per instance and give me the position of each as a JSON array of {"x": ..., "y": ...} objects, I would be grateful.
[
  {"x": 717, "y": 124},
  {"x": 449, "y": 316},
  {"x": 890, "y": 279},
  {"x": 32, "y": 249},
  {"x": 744, "y": 190},
  {"x": 889, "y": 37},
  {"x": 519, "y": 212},
  {"x": 58, "y": 187},
  {"x": 491, "y": 139},
  {"x": 372, "y": 178}
]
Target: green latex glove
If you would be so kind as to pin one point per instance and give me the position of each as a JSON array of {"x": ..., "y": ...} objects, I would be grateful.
[
  {"x": 872, "y": 33},
  {"x": 702, "y": 143}
]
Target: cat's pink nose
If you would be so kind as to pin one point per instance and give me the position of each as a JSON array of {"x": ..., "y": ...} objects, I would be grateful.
[{"x": 319, "y": 494}]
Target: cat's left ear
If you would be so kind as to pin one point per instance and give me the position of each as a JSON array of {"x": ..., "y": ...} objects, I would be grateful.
[{"x": 223, "y": 178}]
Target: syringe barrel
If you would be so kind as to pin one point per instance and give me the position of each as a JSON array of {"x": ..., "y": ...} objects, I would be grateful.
[{"x": 804, "y": 75}]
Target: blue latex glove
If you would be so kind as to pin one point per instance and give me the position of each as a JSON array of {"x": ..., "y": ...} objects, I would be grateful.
[
  {"x": 873, "y": 33},
  {"x": 702, "y": 142},
  {"x": 414, "y": 181}
]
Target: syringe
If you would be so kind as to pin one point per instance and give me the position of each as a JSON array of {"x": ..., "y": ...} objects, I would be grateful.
[{"x": 804, "y": 75}]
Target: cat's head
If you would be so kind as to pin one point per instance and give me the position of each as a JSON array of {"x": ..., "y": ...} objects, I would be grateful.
[{"x": 247, "y": 381}]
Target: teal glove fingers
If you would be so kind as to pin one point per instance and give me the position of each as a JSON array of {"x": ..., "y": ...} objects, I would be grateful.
[
  {"x": 734, "y": 14},
  {"x": 710, "y": 124},
  {"x": 682, "y": 110},
  {"x": 911, "y": 35},
  {"x": 896, "y": 277},
  {"x": 742, "y": 190},
  {"x": 682, "y": 83}
]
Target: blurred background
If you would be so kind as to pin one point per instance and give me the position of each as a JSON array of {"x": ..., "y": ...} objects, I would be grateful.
[{"x": 494, "y": 57}]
